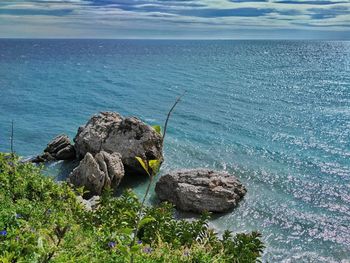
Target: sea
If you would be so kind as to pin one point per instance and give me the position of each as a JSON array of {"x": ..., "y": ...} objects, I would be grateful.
[{"x": 276, "y": 114}]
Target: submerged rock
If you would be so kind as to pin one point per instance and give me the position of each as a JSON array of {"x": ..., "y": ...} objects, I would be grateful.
[
  {"x": 98, "y": 172},
  {"x": 200, "y": 190},
  {"x": 110, "y": 132},
  {"x": 60, "y": 148}
]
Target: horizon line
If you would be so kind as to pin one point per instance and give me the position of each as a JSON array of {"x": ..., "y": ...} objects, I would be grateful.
[{"x": 189, "y": 39}]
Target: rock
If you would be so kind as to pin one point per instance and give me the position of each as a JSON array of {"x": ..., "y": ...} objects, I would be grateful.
[
  {"x": 60, "y": 148},
  {"x": 45, "y": 157},
  {"x": 67, "y": 153},
  {"x": 130, "y": 137},
  {"x": 98, "y": 172},
  {"x": 200, "y": 190},
  {"x": 90, "y": 137},
  {"x": 90, "y": 204},
  {"x": 134, "y": 138}
]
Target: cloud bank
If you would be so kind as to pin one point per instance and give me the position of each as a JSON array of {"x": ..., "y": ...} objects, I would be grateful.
[{"x": 327, "y": 19}]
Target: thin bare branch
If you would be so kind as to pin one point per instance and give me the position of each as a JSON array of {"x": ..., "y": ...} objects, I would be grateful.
[
  {"x": 169, "y": 113},
  {"x": 139, "y": 215},
  {"x": 12, "y": 149}
]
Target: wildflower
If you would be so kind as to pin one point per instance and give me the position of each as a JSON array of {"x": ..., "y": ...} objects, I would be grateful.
[
  {"x": 139, "y": 242},
  {"x": 186, "y": 253},
  {"x": 18, "y": 216},
  {"x": 3, "y": 233},
  {"x": 147, "y": 250},
  {"x": 111, "y": 244}
]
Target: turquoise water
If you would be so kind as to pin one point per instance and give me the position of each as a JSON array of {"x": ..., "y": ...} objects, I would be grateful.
[{"x": 275, "y": 113}]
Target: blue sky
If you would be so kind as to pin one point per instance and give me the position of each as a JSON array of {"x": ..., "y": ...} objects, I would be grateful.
[{"x": 218, "y": 19}]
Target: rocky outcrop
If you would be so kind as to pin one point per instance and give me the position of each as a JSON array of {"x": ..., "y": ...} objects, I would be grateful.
[
  {"x": 110, "y": 132},
  {"x": 200, "y": 190},
  {"x": 60, "y": 148},
  {"x": 98, "y": 172}
]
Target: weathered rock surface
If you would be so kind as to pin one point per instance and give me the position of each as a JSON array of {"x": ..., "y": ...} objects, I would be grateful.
[
  {"x": 60, "y": 148},
  {"x": 110, "y": 132},
  {"x": 200, "y": 190},
  {"x": 91, "y": 136},
  {"x": 97, "y": 172}
]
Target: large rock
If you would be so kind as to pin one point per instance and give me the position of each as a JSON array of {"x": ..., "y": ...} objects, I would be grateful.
[
  {"x": 110, "y": 132},
  {"x": 200, "y": 190},
  {"x": 60, "y": 148},
  {"x": 91, "y": 136},
  {"x": 98, "y": 172}
]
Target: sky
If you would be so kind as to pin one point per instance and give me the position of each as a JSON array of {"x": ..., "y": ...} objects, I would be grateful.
[{"x": 176, "y": 19}]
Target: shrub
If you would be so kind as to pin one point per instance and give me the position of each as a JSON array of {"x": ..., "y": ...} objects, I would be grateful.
[{"x": 42, "y": 221}]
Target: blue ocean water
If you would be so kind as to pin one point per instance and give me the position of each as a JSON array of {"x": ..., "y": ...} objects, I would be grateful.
[{"x": 274, "y": 113}]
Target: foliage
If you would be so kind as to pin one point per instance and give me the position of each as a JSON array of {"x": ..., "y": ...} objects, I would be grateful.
[
  {"x": 43, "y": 221},
  {"x": 158, "y": 129}
]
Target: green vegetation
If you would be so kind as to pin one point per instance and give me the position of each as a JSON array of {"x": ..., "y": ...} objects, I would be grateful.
[{"x": 42, "y": 221}]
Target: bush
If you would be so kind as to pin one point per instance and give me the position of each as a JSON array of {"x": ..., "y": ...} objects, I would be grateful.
[{"x": 42, "y": 221}]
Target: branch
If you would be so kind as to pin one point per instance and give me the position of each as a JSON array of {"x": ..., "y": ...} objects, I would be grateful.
[
  {"x": 139, "y": 214},
  {"x": 169, "y": 113},
  {"x": 12, "y": 151}
]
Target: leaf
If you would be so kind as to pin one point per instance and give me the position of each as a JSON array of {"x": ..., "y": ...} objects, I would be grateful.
[
  {"x": 143, "y": 163},
  {"x": 158, "y": 129},
  {"x": 127, "y": 231},
  {"x": 155, "y": 165},
  {"x": 146, "y": 220},
  {"x": 124, "y": 250},
  {"x": 135, "y": 249}
]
